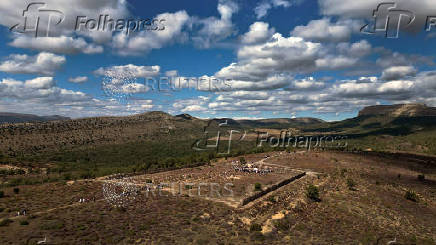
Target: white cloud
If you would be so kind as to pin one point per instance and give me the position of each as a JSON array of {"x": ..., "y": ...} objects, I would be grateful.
[
  {"x": 279, "y": 54},
  {"x": 40, "y": 88},
  {"x": 214, "y": 29},
  {"x": 62, "y": 44},
  {"x": 262, "y": 8},
  {"x": 398, "y": 72},
  {"x": 144, "y": 42},
  {"x": 192, "y": 108},
  {"x": 172, "y": 73},
  {"x": 363, "y": 9},
  {"x": 42, "y": 63},
  {"x": 257, "y": 33},
  {"x": 79, "y": 79},
  {"x": 324, "y": 30},
  {"x": 307, "y": 84}
]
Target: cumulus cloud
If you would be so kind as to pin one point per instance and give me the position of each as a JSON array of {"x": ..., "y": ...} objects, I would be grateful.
[
  {"x": 42, "y": 63},
  {"x": 144, "y": 42},
  {"x": 60, "y": 37},
  {"x": 262, "y": 8},
  {"x": 257, "y": 33},
  {"x": 279, "y": 54},
  {"x": 324, "y": 30},
  {"x": 363, "y": 9},
  {"x": 398, "y": 72},
  {"x": 307, "y": 84},
  {"x": 41, "y": 88},
  {"x": 215, "y": 29},
  {"x": 62, "y": 44},
  {"x": 79, "y": 79},
  {"x": 291, "y": 55},
  {"x": 389, "y": 59}
]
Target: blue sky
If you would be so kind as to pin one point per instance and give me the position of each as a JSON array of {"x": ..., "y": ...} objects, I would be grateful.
[{"x": 279, "y": 58}]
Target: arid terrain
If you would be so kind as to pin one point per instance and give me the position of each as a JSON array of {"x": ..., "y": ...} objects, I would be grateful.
[
  {"x": 362, "y": 200},
  {"x": 151, "y": 179}
]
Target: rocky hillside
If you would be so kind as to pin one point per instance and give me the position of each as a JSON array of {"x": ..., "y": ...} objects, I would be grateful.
[
  {"x": 405, "y": 110},
  {"x": 55, "y": 135}
]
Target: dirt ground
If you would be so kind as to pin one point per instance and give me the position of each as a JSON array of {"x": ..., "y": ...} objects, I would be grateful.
[{"x": 362, "y": 201}]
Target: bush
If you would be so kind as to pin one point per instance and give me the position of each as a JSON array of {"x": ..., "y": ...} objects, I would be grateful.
[
  {"x": 411, "y": 195},
  {"x": 67, "y": 176},
  {"x": 16, "y": 190},
  {"x": 283, "y": 224},
  {"x": 343, "y": 171},
  {"x": 257, "y": 187},
  {"x": 312, "y": 193},
  {"x": 2, "y": 194},
  {"x": 255, "y": 227},
  {"x": 5, "y": 222},
  {"x": 351, "y": 184},
  {"x": 421, "y": 177},
  {"x": 242, "y": 160},
  {"x": 24, "y": 222}
]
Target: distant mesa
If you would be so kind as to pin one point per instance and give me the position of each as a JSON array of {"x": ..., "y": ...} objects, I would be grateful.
[
  {"x": 402, "y": 110},
  {"x": 9, "y": 117}
]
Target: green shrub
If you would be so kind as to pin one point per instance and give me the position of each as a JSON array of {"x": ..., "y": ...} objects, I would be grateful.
[
  {"x": 67, "y": 176},
  {"x": 242, "y": 160},
  {"x": 257, "y": 186},
  {"x": 411, "y": 195},
  {"x": 421, "y": 177},
  {"x": 272, "y": 199},
  {"x": 312, "y": 193},
  {"x": 16, "y": 190},
  {"x": 5, "y": 222},
  {"x": 255, "y": 227},
  {"x": 52, "y": 225},
  {"x": 283, "y": 224},
  {"x": 24, "y": 222},
  {"x": 343, "y": 171}
]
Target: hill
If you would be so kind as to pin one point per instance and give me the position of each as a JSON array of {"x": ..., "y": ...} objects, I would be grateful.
[
  {"x": 403, "y": 110},
  {"x": 8, "y": 117}
]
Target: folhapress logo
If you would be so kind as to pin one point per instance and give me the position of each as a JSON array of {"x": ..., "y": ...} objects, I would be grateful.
[
  {"x": 38, "y": 20},
  {"x": 389, "y": 20}
]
